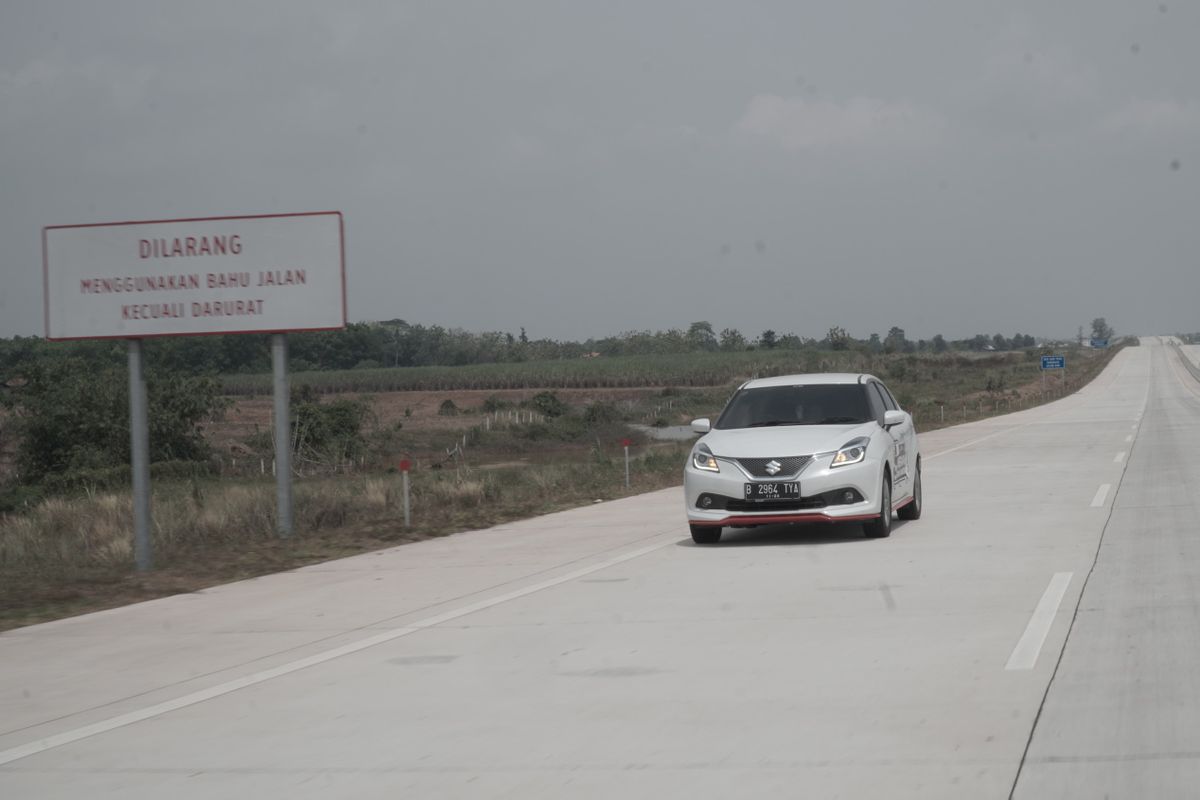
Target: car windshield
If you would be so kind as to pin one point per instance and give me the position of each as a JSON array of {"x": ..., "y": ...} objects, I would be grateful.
[{"x": 822, "y": 404}]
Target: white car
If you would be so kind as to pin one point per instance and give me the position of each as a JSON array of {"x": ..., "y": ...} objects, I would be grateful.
[{"x": 804, "y": 448}]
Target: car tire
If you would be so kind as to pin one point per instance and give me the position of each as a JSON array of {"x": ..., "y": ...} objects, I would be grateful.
[
  {"x": 705, "y": 534},
  {"x": 881, "y": 528},
  {"x": 913, "y": 509}
]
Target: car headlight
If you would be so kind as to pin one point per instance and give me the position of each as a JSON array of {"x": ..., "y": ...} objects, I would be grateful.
[
  {"x": 702, "y": 458},
  {"x": 852, "y": 452}
]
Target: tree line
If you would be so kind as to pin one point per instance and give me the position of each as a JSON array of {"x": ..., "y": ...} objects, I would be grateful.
[{"x": 396, "y": 343}]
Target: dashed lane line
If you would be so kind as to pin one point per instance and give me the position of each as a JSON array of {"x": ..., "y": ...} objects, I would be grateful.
[{"x": 1029, "y": 646}]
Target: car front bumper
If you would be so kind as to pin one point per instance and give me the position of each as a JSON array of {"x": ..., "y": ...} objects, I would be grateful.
[{"x": 818, "y": 484}]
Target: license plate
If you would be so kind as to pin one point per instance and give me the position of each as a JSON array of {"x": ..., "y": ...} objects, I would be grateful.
[{"x": 767, "y": 492}]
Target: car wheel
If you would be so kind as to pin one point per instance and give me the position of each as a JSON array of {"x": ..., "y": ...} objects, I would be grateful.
[
  {"x": 913, "y": 509},
  {"x": 881, "y": 528},
  {"x": 705, "y": 534}
]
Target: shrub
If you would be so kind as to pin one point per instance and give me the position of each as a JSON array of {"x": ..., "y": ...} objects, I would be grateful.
[
  {"x": 328, "y": 430},
  {"x": 601, "y": 413},
  {"x": 534, "y": 432},
  {"x": 548, "y": 404},
  {"x": 492, "y": 404},
  {"x": 447, "y": 408},
  {"x": 73, "y": 414}
]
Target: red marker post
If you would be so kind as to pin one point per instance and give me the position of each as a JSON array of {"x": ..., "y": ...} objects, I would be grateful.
[
  {"x": 405, "y": 466},
  {"x": 625, "y": 443}
]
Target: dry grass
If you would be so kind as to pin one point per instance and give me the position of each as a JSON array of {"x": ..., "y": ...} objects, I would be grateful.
[
  {"x": 70, "y": 555},
  {"x": 64, "y": 534}
]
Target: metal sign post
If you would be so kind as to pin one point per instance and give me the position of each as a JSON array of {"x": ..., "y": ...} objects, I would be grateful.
[
  {"x": 283, "y": 436},
  {"x": 139, "y": 450}
]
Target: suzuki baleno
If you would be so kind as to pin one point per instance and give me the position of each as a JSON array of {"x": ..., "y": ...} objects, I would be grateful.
[{"x": 804, "y": 448}]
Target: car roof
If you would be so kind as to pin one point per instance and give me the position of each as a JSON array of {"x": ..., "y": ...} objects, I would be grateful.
[{"x": 810, "y": 379}]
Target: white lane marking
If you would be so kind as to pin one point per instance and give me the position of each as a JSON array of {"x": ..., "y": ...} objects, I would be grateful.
[
  {"x": 158, "y": 709},
  {"x": 1129, "y": 438},
  {"x": 1119, "y": 457},
  {"x": 1101, "y": 495},
  {"x": 1029, "y": 646}
]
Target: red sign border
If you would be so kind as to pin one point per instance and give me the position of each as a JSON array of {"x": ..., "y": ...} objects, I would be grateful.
[{"x": 46, "y": 274}]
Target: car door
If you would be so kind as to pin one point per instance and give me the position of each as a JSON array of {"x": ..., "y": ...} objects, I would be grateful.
[
  {"x": 878, "y": 409},
  {"x": 905, "y": 436},
  {"x": 900, "y": 465}
]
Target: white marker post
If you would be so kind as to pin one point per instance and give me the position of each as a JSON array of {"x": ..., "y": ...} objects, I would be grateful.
[
  {"x": 405, "y": 466},
  {"x": 625, "y": 443}
]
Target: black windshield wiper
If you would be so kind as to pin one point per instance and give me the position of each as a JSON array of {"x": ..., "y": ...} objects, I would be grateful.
[
  {"x": 770, "y": 422},
  {"x": 838, "y": 420}
]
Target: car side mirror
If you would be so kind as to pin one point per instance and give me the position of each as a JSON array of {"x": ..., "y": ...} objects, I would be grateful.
[
  {"x": 892, "y": 418},
  {"x": 701, "y": 425}
]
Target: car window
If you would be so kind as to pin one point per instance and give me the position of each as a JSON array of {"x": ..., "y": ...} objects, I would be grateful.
[
  {"x": 889, "y": 402},
  {"x": 877, "y": 404},
  {"x": 819, "y": 404}
]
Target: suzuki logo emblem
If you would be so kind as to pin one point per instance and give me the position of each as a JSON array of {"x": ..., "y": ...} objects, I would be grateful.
[{"x": 772, "y": 467}]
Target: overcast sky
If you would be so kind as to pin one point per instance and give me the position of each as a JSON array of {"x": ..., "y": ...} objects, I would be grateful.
[{"x": 586, "y": 168}]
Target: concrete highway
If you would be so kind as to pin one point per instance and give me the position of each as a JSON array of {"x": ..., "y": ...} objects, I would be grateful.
[{"x": 1035, "y": 634}]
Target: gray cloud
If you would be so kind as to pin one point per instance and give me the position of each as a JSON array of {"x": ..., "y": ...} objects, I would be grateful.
[
  {"x": 798, "y": 123},
  {"x": 581, "y": 169}
]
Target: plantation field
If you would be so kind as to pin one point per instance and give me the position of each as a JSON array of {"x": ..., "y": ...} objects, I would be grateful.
[{"x": 683, "y": 369}]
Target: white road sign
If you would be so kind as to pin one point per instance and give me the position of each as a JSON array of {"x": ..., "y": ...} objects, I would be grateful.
[{"x": 259, "y": 274}]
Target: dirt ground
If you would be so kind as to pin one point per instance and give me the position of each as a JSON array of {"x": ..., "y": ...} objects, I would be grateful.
[{"x": 250, "y": 415}]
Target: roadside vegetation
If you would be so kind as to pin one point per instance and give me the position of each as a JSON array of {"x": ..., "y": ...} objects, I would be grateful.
[
  {"x": 490, "y": 442},
  {"x": 72, "y": 553}
]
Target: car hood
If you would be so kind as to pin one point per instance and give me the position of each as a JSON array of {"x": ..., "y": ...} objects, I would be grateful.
[{"x": 784, "y": 440}]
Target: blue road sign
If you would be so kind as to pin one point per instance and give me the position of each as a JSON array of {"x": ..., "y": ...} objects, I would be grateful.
[
  {"x": 1099, "y": 342},
  {"x": 1054, "y": 362}
]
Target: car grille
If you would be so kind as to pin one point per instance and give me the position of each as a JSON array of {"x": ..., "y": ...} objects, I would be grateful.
[
  {"x": 834, "y": 497},
  {"x": 803, "y": 504},
  {"x": 791, "y": 465}
]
